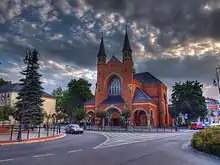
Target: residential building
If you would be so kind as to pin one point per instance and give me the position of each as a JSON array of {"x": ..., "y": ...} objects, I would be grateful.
[
  {"x": 213, "y": 110},
  {"x": 9, "y": 93}
]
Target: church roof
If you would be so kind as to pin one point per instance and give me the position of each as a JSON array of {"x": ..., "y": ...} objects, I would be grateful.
[
  {"x": 90, "y": 101},
  {"x": 113, "y": 58},
  {"x": 141, "y": 95},
  {"x": 113, "y": 100},
  {"x": 147, "y": 78},
  {"x": 16, "y": 87}
]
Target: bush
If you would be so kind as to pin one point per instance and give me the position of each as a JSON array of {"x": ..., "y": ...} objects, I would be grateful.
[{"x": 207, "y": 140}]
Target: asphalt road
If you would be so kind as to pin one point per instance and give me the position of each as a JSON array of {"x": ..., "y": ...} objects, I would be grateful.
[{"x": 158, "y": 149}]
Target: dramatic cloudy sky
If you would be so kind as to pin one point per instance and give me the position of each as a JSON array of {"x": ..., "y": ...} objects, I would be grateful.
[{"x": 176, "y": 40}]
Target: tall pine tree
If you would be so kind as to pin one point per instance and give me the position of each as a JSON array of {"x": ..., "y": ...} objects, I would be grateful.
[{"x": 29, "y": 105}]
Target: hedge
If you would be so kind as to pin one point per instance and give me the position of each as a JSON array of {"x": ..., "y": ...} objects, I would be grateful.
[{"x": 207, "y": 140}]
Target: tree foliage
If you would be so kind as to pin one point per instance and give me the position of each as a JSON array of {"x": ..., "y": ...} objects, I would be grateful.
[
  {"x": 187, "y": 98},
  {"x": 101, "y": 114},
  {"x": 2, "y": 81},
  {"x": 29, "y": 105},
  {"x": 78, "y": 91},
  {"x": 126, "y": 114},
  {"x": 79, "y": 114},
  {"x": 5, "y": 112},
  {"x": 58, "y": 93}
]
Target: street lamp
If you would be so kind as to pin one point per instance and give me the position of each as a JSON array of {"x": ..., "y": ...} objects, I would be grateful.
[
  {"x": 28, "y": 61},
  {"x": 216, "y": 80}
]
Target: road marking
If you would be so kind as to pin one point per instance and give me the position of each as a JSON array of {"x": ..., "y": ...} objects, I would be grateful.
[
  {"x": 74, "y": 151},
  {"x": 37, "y": 156},
  {"x": 6, "y": 160},
  {"x": 119, "y": 139}
]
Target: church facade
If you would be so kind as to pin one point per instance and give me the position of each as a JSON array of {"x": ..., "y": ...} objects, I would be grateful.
[{"x": 118, "y": 89}]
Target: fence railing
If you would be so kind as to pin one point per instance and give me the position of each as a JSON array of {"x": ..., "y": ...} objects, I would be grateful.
[
  {"x": 131, "y": 128},
  {"x": 30, "y": 132}
]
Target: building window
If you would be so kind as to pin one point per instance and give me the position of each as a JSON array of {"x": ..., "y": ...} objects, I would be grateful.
[{"x": 115, "y": 87}]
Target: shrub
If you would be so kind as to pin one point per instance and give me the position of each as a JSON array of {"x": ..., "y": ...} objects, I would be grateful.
[{"x": 207, "y": 140}]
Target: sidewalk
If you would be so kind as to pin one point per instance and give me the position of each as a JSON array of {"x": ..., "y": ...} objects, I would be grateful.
[
  {"x": 31, "y": 135},
  {"x": 24, "y": 135}
]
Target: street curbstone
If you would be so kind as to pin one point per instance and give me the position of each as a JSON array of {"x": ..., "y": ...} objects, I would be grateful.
[{"x": 33, "y": 140}]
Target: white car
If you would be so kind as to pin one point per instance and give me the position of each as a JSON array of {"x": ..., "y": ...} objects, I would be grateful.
[
  {"x": 214, "y": 124},
  {"x": 73, "y": 129}
]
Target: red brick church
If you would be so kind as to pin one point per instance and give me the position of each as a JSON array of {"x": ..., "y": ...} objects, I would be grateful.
[{"x": 119, "y": 88}]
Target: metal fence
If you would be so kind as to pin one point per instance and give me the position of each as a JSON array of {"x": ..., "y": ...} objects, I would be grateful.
[
  {"x": 131, "y": 129},
  {"x": 30, "y": 132}
]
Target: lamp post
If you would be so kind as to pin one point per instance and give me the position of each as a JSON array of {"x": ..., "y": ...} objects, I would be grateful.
[
  {"x": 28, "y": 61},
  {"x": 216, "y": 79}
]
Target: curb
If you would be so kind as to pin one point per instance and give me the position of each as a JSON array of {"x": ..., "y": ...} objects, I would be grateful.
[
  {"x": 133, "y": 131},
  {"x": 202, "y": 153},
  {"x": 33, "y": 140}
]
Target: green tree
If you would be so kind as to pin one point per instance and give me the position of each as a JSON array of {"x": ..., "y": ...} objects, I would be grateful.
[
  {"x": 60, "y": 115},
  {"x": 5, "y": 112},
  {"x": 126, "y": 114},
  {"x": 58, "y": 93},
  {"x": 29, "y": 106},
  {"x": 77, "y": 93},
  {"x": 187, "y": 98},
  {"x": 2, "y": 81},
  {"x": 79, "y": 114},
  {"x": 101, "y": 114}
]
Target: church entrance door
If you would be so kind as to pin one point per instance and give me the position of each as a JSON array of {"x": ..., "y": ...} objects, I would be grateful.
[
  {"x": 140, "y": 118},
  {"x": 114, "y": 116}
]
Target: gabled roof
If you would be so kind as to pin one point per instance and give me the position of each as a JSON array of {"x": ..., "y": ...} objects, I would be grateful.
[
  {"x": 10, "y": 88},
  {"x": 113, "y": 58},
  {"x": 16, "y": 87},
  {"x": 113, "y": 100},
  {"x": 147, "y": 78},
  {"x": 90, "y": 101},
  {"x": 141, "y": 95}
]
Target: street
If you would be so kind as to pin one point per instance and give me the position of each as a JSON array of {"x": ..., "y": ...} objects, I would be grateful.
[{"x": 108, "y": 149}]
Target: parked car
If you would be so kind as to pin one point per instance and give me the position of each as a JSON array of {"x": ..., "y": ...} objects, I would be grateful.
[
  {"x": 73, "y": 129},
  {"x": 214, "y": 124},
  {"x": 196, "y": 126},
  {"x": 205, "y": 125}
]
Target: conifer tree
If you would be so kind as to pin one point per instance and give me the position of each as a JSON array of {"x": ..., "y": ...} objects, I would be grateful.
[{"x": 29, "y": 105}]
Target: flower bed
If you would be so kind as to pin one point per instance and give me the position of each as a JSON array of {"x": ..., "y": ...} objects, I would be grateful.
[{"x": 207, "y": 140}]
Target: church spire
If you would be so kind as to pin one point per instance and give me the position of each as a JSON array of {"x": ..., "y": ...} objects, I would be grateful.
[
  {"x": 101, "y": 48},
  {"x": 101, "y": 53},
  {"x": 127, "y": 52}
]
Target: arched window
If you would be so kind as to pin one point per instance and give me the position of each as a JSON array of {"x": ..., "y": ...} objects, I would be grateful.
[{"x": 115, "y": 87}]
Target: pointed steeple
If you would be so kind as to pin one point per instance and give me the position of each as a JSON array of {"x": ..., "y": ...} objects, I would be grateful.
[
  {"x": 101, "y": 48},
  {"x": 127, "y": 46},
  {"x": 127, "y": 52},
  {"x": 101, "y": 53}
]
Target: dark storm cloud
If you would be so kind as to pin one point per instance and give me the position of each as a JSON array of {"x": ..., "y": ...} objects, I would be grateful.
[
  {"x": 176, "y": 19},
  {"x": 191, "y": 67}
]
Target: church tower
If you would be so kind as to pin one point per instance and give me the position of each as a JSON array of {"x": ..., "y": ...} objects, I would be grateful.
[
  {"x": 101, "y": 65},
  {"x": 128, "y": 66}
]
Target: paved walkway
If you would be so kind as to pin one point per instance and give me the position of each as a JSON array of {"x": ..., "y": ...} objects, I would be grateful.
[{"x": 31, "y": 135}]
